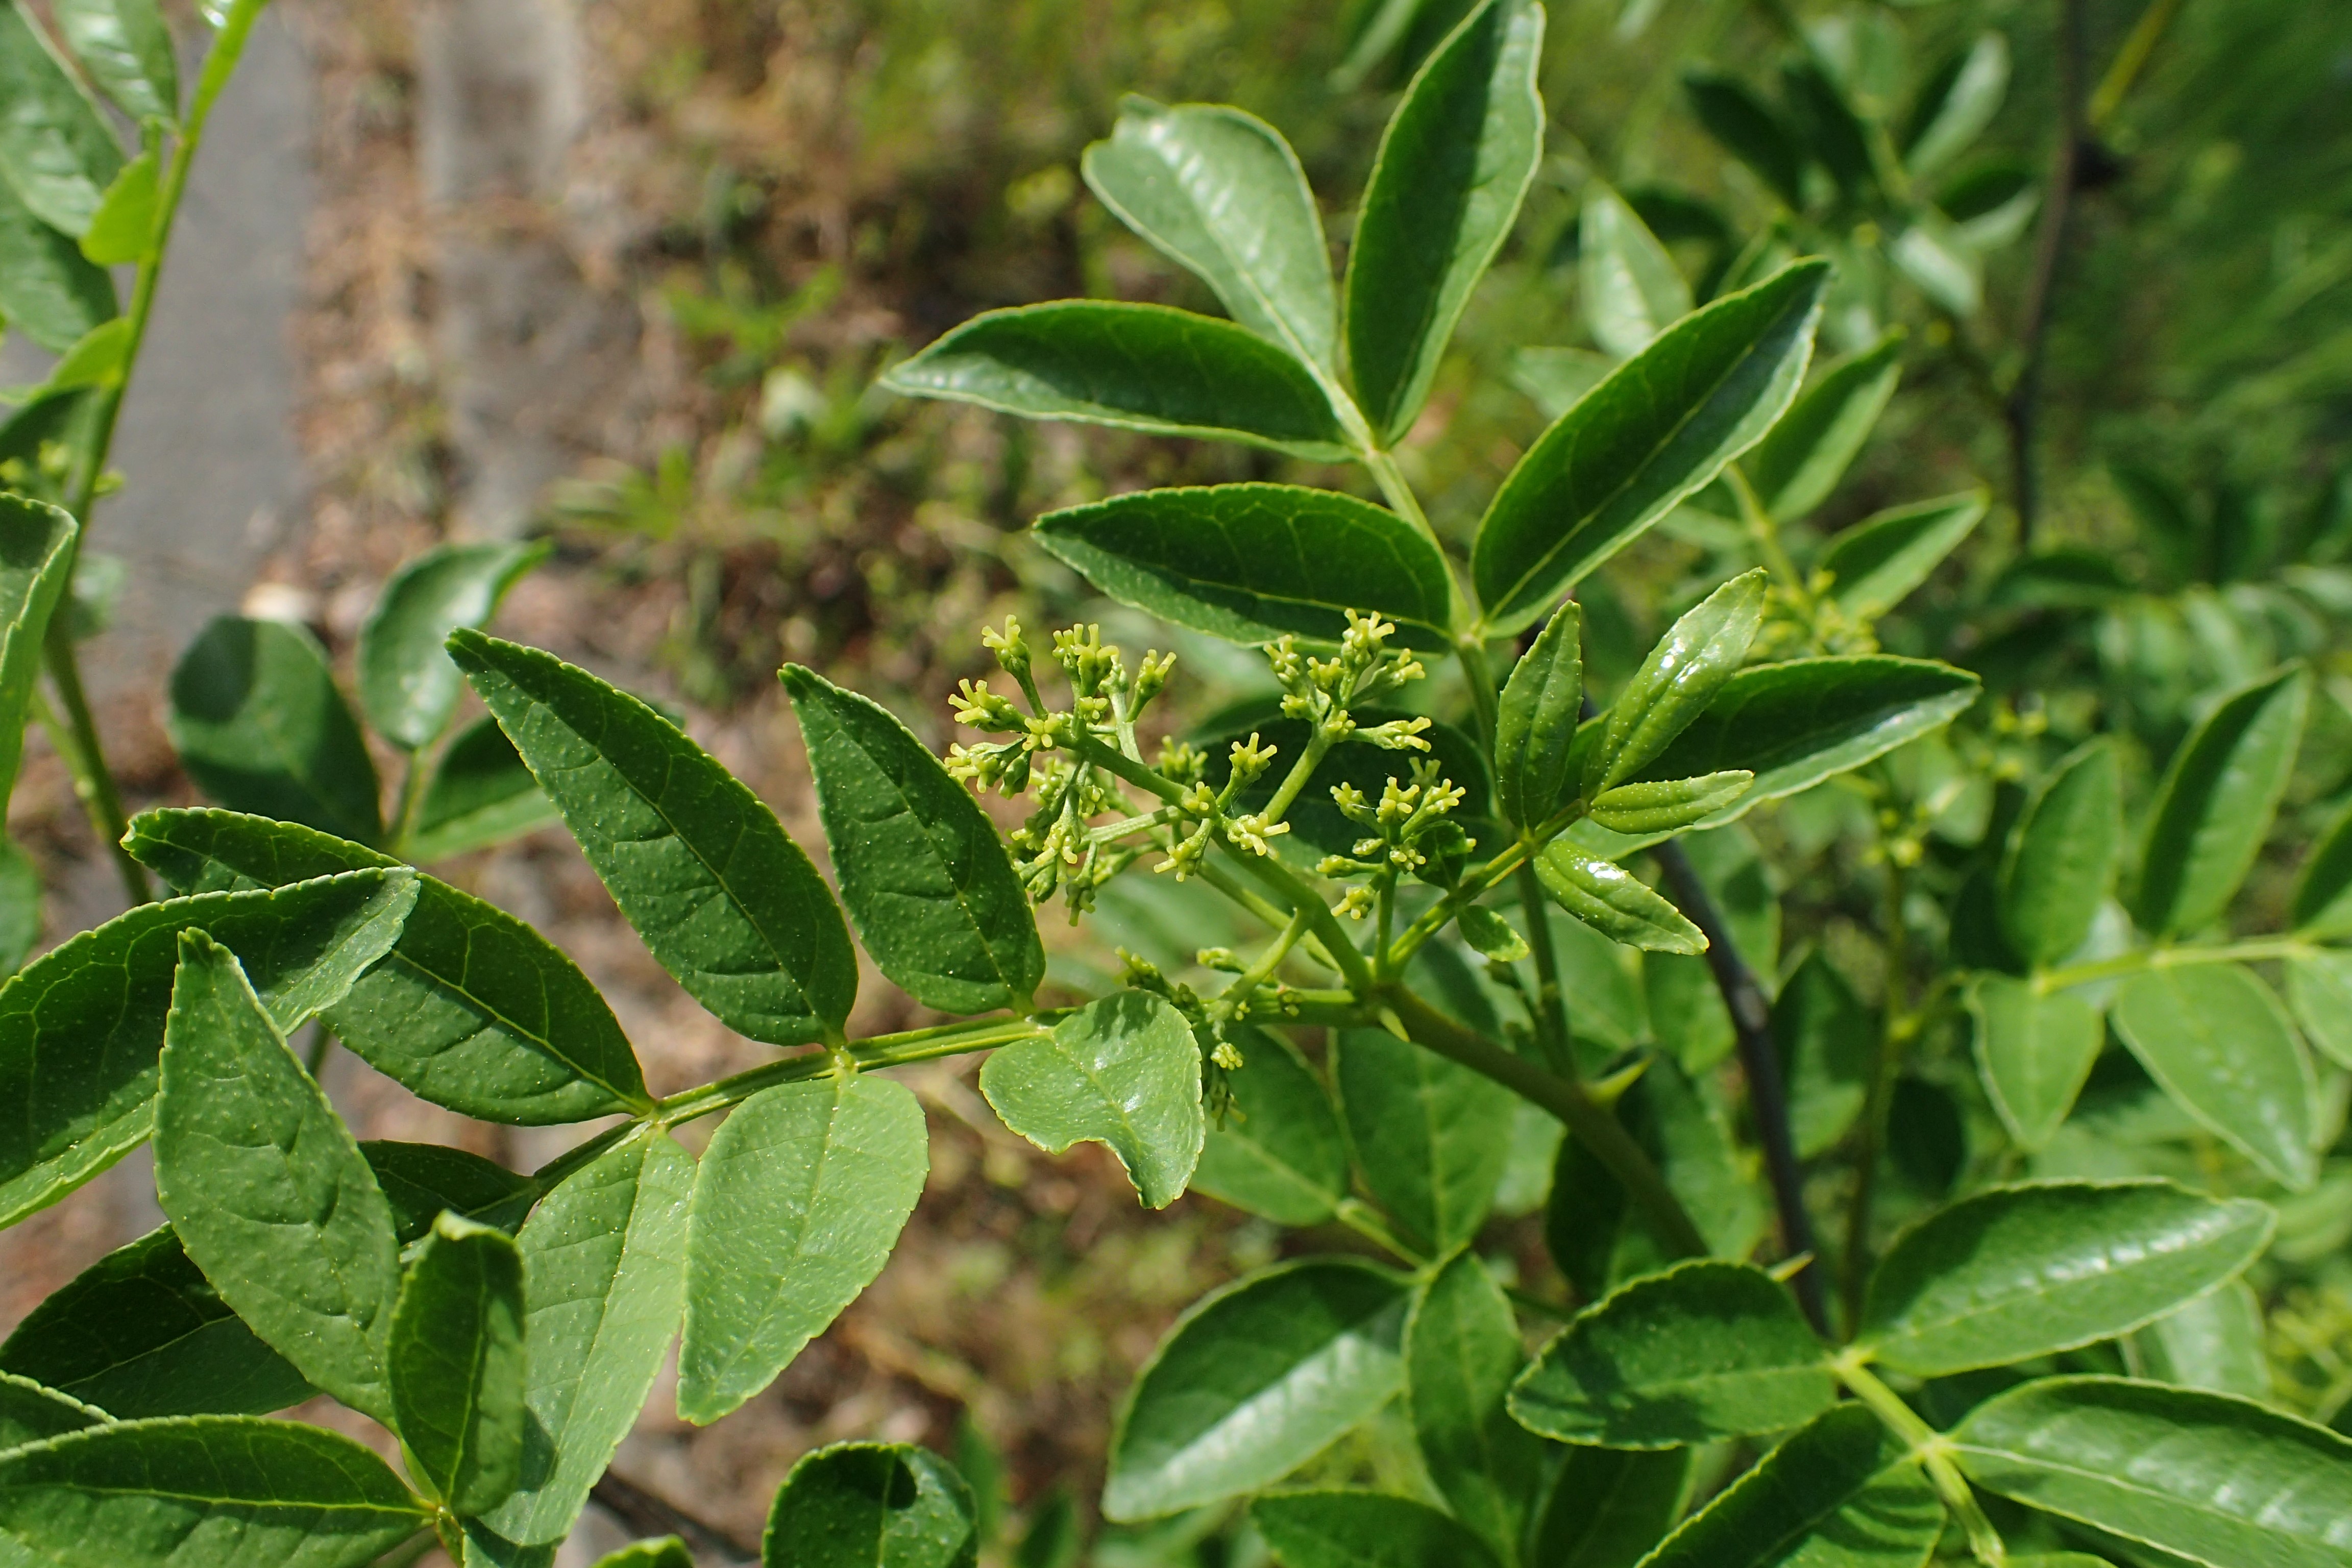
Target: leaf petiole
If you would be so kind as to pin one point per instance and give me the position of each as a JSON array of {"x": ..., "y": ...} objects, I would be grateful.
[{"x": 1932, "y": 1450}]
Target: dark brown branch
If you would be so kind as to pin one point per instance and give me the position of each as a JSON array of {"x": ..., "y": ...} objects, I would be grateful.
[
  {"x": 2023, "y": 410},
  {"x": 649, "y": 1515}
]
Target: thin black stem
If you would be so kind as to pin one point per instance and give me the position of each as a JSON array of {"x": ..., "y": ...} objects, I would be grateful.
[
  {"x": 646, "y": 1513},
  {"x": 1760, "y": 1059},
  {"x": 2023, "y": 410}
]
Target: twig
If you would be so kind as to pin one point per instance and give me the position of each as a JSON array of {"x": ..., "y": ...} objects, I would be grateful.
[
  {"x": 647, "y": 1514},
  {"x": 1768, "y": 1098},
  {"x": 2023, "y": 408}
]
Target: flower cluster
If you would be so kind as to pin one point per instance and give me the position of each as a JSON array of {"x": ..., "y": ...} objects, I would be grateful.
[
  {"x": 1322, "y": 690},
  {"x": 1410, "y": 825}
]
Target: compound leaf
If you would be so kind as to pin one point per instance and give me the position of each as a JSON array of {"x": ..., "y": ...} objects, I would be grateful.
[
  {"x": 1536, "y": 720},
  {"x": 1614, "y": 902},
  {"x": 480, "y": 793},
  {"x": 1675, "y": 683},
  {"x": 1122, "y": 1071}
]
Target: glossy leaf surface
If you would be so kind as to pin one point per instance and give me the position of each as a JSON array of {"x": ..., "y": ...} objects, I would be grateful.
[
  {"x": 1362, "y": 1529},
  {"x": 2218, "y": 1041},
  {"x": 1875, "y": 565},
  {"x": 2216, "y": 803},
  {"x": 480, "y": 793},
  {"x": 49, "y": 290},
  {"x": 2035, "y": 1052},
  {"x": 37, "y": 549},
  {"x": 1430, "y": 1135},
  {"x": 1124, "y": 1072},
  {"x": 2061, "y": 864},
  {"x": 1536, "y": 720},
  {"x": 872, "y": 1505},
  {"x": 1668, "y": 806},
  {"x": 261, "y": 727},
  {"x": 55, "y": 149},
  {"x": 2322, "y": 902},
  {"x": 1462, "y": 1351},
  {"x": 408, "y": 688},
  {"x": 1627, "y": 286},
  {"x": 1841, "y": 1493},
  {"x": 420, "y": 1180},
  {"x": 127, "y": 50},
  {"x": 1681, "y": 675},
  {"x": 1280, "y": 1153},
  {"x": 1794, "y": 468},
  {"x": 1614, "y": 902},
  {"x": 457, "y": 1363}
]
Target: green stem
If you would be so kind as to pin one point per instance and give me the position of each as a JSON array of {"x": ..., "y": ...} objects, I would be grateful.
[
  {"x": 878, "y": 1051},
  {"x": 2257, "y": 951},
  {"x": 1552, "y": 1008},
  {"x": 1234, "y": 1001},
  {"x": 2130, "y": 60},
  {"x": 1934, "y": 1454},
  {"x": 1367, "y": 1222},
  {"x": 412, "y": 800},
  {"x": 1398, "y": 491},
  {"x": 1767, "y": 535},
  {"x": 94, "y": 784},
  {"x": 1318, "y": 746},
  {"x": 1480, "y": 675}
]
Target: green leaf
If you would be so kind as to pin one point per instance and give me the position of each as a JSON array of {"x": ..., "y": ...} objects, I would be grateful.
[
  {"x": 667, "y": 1551},
  {"x": 2014, "y": 1273},
  {"x": 723, "y": 898},
  {"x": 480, "y": 793},
  {"x": 1935, "y": 257},
  {"x": 1682, "y": 674},
  {"x": 36, "y": 552},
  {"x": 2319, "y": 990},
  {"x": 82, "y": 1025},
  {"x": 603, "y": 1279},
  {"x": 1957, "y": 103},
  {"x": 457, "y": 1364},
  {"x": 408, "y": 688},
  {"x": 1220, "y": 192},
  {"x": 1557, "y": 379},
  {"x": 205, "y": 1492},
  {"x": 2218, "y": 1041},
  {"x": 1670, "y": 807},
  {"x": 1627, "y": 286},
  {"x": 1840, "y": 1493},
  {"x": 1877, "y": 564},
  {"x": 1452, "y": 165},
  {"x": 122, "y": 231},
  {"x": 1461, "y": 1353},
  {"x": 32, "y": 1414},
  {"x": 472, "y": 1009},
  {"x": 49, "y": 290},
  {"x": 2035, "y": 1052},
  {"x": 1535, "y": 721},
  {"x": 872, "y": 1505},
  {"x": 2061, "y": 863},
  {"x": 1705, "y": 1351},
  {"x": 1249, "y": 562},
  {"x": 260, "y": 727},
  {"x": 127, "y": 50},
  {"x": 142, "y": 1332},
  {"x": 1134, "y": 367},
  {"x": 1614, "y": 902},
  {"x": 2216, "y": 803},
  {"x": 1825, "y": 1038},
  {"x": 100, "y": 358},
  {"x": 1256, "y": 1380},
  {"x": 1795, "y": 468},
  {"x": 1610, "y": 1506},
  {"x": 1694, "y": 1147},
  {"x": 1430, "y": 1136},
  {"x": 1279, "y": 1153},
  {"x": 1827, "y": 122},
  {"x": 1490, "y": 935},
  {"x": 1363, "y": 1530},
  {"x": 1657, "y": 430},
  {"x": 265, "y": 1187},
  {"x": 797, "y": 1203},
  {"x": 422, "y": 1180},
  {"x": 1124, "y": 1072},
  {"x": 1751, "y": 129},
  {"x": 2213, "y": 1342},
  {"x": 2218, "y": 1479},
  {"x": 920, "y": 866},
  {"x": 2322, "y": 903},
  {"x": 55, "y": 147}
]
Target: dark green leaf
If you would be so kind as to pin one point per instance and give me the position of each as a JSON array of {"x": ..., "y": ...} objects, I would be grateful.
[
  {"x": 1430, "y": 1136},
  {"x": 1535, "y": 722},
  {"x": 1957, "y": 103},
  {"x": 36, "y": 552},
  {"x": 797, "y": 1203},
  {"x": 1445, "y": 188},
  {"x": 473, "y": 1009},
  {"x": 142, "y": 1332},
  {"x": 603, "y": 1277},
  {"x": 55, "y": 147},
  {"x": 2035, "y": 1051},
  {"x": 871, "y": 1505},
  {"x": 2168, "y": 530},
  {"x": 723, "y": 898},
  {"x": 1825, "y": 1039},
  {"x": 1657, "y": 430},
  {"x": 1490, "y": 935},
  {"x": 1705, "y": 1351},
  {"x": 49, "y": 290},
  {"x": 1610, "y": 1506},
  {"x": 1841, "y": 1493},
  {"x": 1279, "y": 1153},
  {"x": 2218, "y": 1479},
  {"x": 1363, "y": 1530},
  {"x": 1628, "y": 287},
  {"x": 205, "y": 1492},
  {"x": 421, "y": 1180},
  {"x": 1683, "y": 673},
  {"x": 408, "y": 688},
  {"x": 1220, "y": 192},
  {"x": 921, "y": 868},
  {"x": 1694, "y": 1152},
  {"x": 1052, "y": 1537},
  {"x": 261, "y": 728},
  {"x": 1877, "y": 564},
  {"x": 1248, "y": 562},
  {"x": 1124, "y": 1072},
  {"x": 2218, "y": 1041},
  {"x": 2213, "y": 1342},
  {"x": 480, "y": 793},
  {"x": 2323, "y": 890},
  {"x": 1614, "y": 902},
  {"x": 32, "y": 1414},
  {"x": 1255, "y": 1381},
  {"x": 265, "y": 1187},
  {"x": 2320, "y": 989},
  {"x": 122, "y": 231},
  {"x": 2014, "y": 1273},
  {"x": 2061, "y": 863},
  {"x": 1461, "y": 1353},
  {"x": 1749, "y": 129},
  {"x": 457, "y": 1364},
  {"x": 81, "y": 1027},
  {"x": 1136, "y": 367},
  {"x": 1827, "y": 122},
  {"x": 2216, "y": 803},
  {"x": 1795, "y": 468}
]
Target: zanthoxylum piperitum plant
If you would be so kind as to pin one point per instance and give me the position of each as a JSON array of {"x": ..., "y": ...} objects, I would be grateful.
[{"x": 2027, "y": 1371}]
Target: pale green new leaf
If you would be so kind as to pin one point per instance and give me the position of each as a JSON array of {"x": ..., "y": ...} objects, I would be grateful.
[
  {"x": 260, "y": 726},
  {"x": 1123, "y": 1072},
  {"x": 1452, "y": 165},
  {"x": 797, "y": 1203},
  {"x": 1220, "y": 192},
  {"x": 267, "y": 1188},
  {"x": 2218, "y": 1041},
  {"x": 408, "y": 688},
  {"x": 1536, "y": 720},
  {"x": 1430, "y": 1136},
  {"x": 205, "y": 1492},
  {"x": 1794, "y": 468},
  {"x": 1461, "y": 1353},
  {"x": 1705, "y": 1351},
  {"x": 2216, "y": 803},
  {"x": 2214, "y": 1343},
  {"x": 721, "y": 895},
  {"x": 2035, "y": 1052},
  {"x": 2018, "y": 1272},
  {"x": 1875, "y": 565},
  {"x": 1668, "y": 806},
  {"x": 1363, "y": 1530},
  {"x": 1279, "y": 1153},
  {"x": 1614, "y": 902},
  {"x": 2061, "y": 862},
  {"x": 480, "y": 793},
  {"x": 1255, "y": 1381},
  {"x": 49, "y": 290},
  {"x": 1628, "y": 287},
  {"x": 456, "y": 1361},
  {"x": 36, "y": 552},
  {"x": 55, "y": 147},
  {"x": 1676, "y": 682},
  {"x": 122, "y": 231},
  {"x": 1608, "y": 1507},
  {"x": 872, "y": 1505},
  {"x": 2215, "y": 1479},
  {"x": 1841, "y": 1493},
  {"x": 1489, "y": 934},
  {"x": 1957, "y": 104}
]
